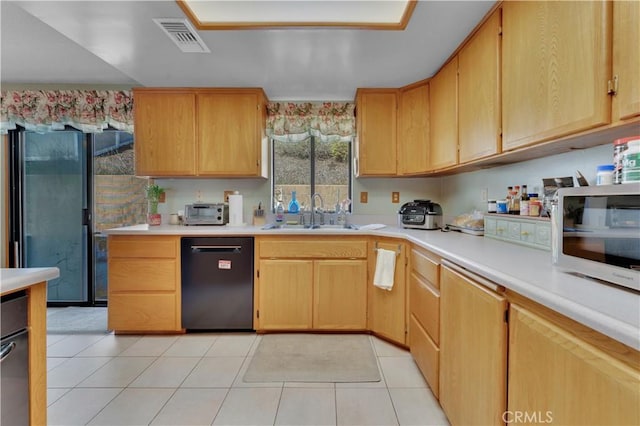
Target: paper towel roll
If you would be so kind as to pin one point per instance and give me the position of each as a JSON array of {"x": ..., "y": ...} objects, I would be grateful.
[{"x": 235, "y": 210}]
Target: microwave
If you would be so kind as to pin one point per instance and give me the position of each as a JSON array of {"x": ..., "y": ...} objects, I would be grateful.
[{"x": 596, "y": 233}]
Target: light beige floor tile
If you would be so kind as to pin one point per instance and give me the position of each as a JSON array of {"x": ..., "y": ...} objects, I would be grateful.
[
  {"x": 54, "y": 394},
  {"x": 167, "y": 372},
  {"x": 79, "y": 406},
  {"x": 73, "y": 345},
  {"x": 307, "y": 406},
  {"x": 191, "y": 407},
  {"x": 54, "y": 362},
  {"x": 118, "y": 373},
  {"x": 218, "y": 372},
  {"x": 384, "y": 348},
  {"x": 364, "y": 407},
  {"x": 249, "y": 406},
  {"x": 254, "y": 345},
  {"x": 232, "y": 344},
  {"x": 133, "y": 407},
  {"x": 401, "y": 372},
  {"x": 191, "y": 345},
  {"x": 73, "y": 371},
  {"x": 150, "y": 346},
  {"x": 417, "y": 406},
  {"x": 55, "y": 338},
  {"x": 240, "y": 383},
  {"x": 111, "y": 345}
]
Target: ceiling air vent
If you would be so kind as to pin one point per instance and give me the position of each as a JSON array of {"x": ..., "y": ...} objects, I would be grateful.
[{"x": 182, "y": 34}]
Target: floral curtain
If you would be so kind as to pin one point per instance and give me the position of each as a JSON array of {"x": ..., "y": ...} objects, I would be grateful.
[
  {"x": 294, "y": 121},
  {"x": 90, "y": 111}
]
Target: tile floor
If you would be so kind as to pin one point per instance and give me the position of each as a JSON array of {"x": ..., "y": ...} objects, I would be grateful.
[{"x": 196, "y": 379}]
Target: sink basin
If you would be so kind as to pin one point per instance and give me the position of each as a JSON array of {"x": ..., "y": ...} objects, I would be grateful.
[{"x": 273, "y": 226}]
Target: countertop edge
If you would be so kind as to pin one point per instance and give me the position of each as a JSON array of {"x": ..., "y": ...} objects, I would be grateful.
[{"x": 14, "y": 279}]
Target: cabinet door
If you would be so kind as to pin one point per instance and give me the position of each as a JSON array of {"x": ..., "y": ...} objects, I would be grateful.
[
  {"x": 340, "y": 294},
  {"x": 165, "y": 133},
  {"x": 285, "y": 294},
  {"x": 443, "y": 92},
  {"x": 413, "y": 123},
  {"x": 565, "y": 380},
  {"x": 376, "y": 122},
  {"x": 229, "y": 137},
  {"x": 473, "y": 351},
  {"x": 556, "y": 63},
  {"x": 143, "y": 312},
  {"x": 626, "y": 59},
  {"x": 387, "y": 309},
  {"x": 479, "y": 100}
]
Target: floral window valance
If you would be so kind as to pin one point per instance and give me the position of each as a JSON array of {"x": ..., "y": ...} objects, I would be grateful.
[
  {"x": 90, "y": 111},
  {"x": 294, "y": 121}
]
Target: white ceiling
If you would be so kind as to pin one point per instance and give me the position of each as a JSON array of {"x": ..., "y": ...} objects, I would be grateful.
[{"x": 117, "y": 43}]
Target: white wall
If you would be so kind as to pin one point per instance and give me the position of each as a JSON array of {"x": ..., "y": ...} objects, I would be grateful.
[{"x": 456, "y": 194}]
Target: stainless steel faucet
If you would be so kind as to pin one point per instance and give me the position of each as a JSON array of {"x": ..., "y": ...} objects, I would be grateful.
[{"x": 313, "y": 209}]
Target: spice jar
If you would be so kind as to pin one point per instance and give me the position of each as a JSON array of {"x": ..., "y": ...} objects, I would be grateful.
[
  {"x": 604, "y": 176},
  {"x": 492, "y": 206}
]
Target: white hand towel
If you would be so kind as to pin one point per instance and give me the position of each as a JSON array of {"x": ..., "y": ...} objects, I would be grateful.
[{"x": 385, "y": 269}]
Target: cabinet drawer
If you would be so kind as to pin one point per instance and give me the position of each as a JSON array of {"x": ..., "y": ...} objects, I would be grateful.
[
  {"x": 543, "y": 234},
  {"x": 425, "y": 306},
  {"x": 426, "y": 354},
  {"x": 427, "y": 268},
  {"x": 490, "y": 226},
  {"x": 143, "y": 312},
  {"x": 142, "y": 275},
  {"x": 143, "y": 246},
  {"x": 312, "y": 248},
  {"x": 527, "y": 232}
]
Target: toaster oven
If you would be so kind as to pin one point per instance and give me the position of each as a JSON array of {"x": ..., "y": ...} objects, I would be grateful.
[{"x": 206, "y": 214}]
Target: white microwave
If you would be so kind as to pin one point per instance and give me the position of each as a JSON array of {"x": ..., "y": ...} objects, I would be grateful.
[{"x": 596, "y": 233}]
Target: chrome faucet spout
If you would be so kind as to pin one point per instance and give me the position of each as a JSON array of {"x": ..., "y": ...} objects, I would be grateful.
[{"x": 313, "y": 208}]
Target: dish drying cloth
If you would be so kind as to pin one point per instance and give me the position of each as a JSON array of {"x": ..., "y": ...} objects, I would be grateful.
[{"x": 385, "y": 269}]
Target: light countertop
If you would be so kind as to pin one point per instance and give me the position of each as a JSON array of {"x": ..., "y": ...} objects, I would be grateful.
[
  {"x": 14, "y": 279},
  {"x": 609, "y": 309}
]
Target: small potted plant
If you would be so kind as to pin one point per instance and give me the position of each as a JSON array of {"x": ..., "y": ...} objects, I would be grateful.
[{"x": 154, "y": 193}]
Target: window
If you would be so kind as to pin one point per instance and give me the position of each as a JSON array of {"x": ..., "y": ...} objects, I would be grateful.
[{"x": 311, "y": 166}]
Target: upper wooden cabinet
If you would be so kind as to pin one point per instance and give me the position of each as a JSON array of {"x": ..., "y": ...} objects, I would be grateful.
[
  {"x": 376, "y": 119},
  {"x": 479, "y": 112},
  {"x": 556, "y": 63},
  {"x": 413, "y": 129},
  {"x": 199, "y": 132},
  {"x": 626, "y": 59},
  {"x": 230, "y": 130},
  {"x": 165, "y": 132},
  {"x": 443, "y": 93}
]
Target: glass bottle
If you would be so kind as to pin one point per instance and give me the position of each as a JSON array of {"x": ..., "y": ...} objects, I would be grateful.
[
  {"x": 516, "y": 200},
  {"x": 279, "y": 212},
  {"x": 524, "y": 202},
  {"x": 508, "y": 198},
  {"x": 294, "y": 207}
]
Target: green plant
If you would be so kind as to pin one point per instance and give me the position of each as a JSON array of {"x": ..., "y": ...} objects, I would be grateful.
[{"x": 154, "y": 192}]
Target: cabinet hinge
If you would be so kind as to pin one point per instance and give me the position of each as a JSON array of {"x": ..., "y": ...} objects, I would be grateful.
[
  {"x": 258, "y": 273},
  {"x": 500, "y": 30},
  {"x": 506, "y": 316},
  {"x": 612, "y": 86}
]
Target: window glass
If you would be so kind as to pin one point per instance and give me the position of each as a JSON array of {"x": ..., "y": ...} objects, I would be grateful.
[{"x": 311, "y": 166}]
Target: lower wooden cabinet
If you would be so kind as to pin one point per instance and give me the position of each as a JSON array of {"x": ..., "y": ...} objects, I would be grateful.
[
  {"x": 473, "y": 351},
  {"x": 144, "y": 283},
  {"x": 556, "y": 377},
  {"x": 426, "y": 354},
  {"x": 311, "y": 283},
  {"x": 387, "y": 309}
]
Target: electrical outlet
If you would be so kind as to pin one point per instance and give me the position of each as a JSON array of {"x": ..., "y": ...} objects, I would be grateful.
[
  {"x": 198, "y": 195},
  {"x": 484, "y": 194},
  {"x": 364, "y": 197},
  {"x": 395, "y": 197},
  {"x": 226, "y": 195}
]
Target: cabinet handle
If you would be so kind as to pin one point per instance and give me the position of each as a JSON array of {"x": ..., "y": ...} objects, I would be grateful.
[
  {"x": 612, "y": 86},
  {"x": 5, "y": 351},
  {"x": 525, "y": 233}
]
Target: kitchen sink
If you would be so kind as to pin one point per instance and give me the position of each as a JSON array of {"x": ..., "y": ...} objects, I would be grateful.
[{"x": 285, "y": 227}]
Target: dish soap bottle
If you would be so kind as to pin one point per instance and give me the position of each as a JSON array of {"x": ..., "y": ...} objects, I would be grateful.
[
  {"x": 279, "y": 213},
  {"x": 294, "y": 207}
]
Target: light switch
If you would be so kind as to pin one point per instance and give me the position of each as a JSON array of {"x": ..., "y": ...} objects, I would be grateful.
[
  {"x": 395, "y": 197},
  {"x": 364, "y": 197}
]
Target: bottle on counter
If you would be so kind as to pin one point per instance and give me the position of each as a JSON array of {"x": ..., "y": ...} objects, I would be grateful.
[
  {"x": 508, "y": 198},
  {"x": 514, "y": 205},
  {"x": 294, "y": 206},
  {"x": 524, "y": 202},
  {"x": 534, "y": 204},
  {"x": 605, "y": 174},
  {"x": 279, "y": 212}
]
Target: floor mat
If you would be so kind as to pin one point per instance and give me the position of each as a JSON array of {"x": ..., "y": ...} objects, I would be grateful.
[{"x": 313, "y": 358}]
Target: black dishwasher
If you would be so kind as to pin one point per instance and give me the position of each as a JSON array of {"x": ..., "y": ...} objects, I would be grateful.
[
  {"x": 217, "y": 283},
  {"x": 14, "y": 360}
]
